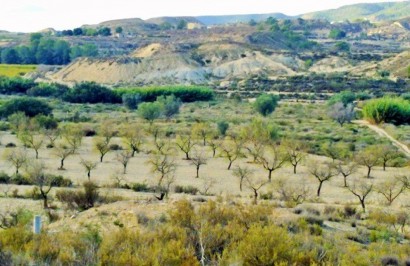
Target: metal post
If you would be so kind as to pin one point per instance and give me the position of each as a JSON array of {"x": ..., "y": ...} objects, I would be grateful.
[{"x": 37, "y": 224}]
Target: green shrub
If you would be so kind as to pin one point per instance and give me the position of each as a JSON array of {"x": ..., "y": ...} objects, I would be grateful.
[
  {"x": 91, "y": 92},
  {"x": 15, "y": 85},
  {"x": 387, "y": 110},
  {"x": 29, "y": 106},
  {"x": 185, "y": 93},
  {"x": 150, "y": 111},
  {"x": 222, "y": 126},
  {"x": 265, "y": 104},
  {"x": 142, "y": 187},
  {"x": 186, "y": 189}
]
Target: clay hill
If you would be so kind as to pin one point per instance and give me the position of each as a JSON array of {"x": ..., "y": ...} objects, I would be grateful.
[{"x": 219, "y": 50}]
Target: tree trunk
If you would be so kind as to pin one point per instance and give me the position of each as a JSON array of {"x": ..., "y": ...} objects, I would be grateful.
[
  {"x": 384, "y": 166},
  {"x": 61, "y": 164},
  {"x": 197, "y": 171},
  {"x": 230, "y": 164},
  {"x": 369, "y": 169},
  {"x": 89, "y": 175},
  {"x": 319, "y": 188},
  {"x": 362, "y": 203},
  {"x": 133, "y": 152},
  {"x": 125, "y": 169},
  {"x": 345, "y": 180},
  {"x": 213, "y": 153},
  {"x": 240, "y": 184},
  {"x": 17, "y": 170},
  {"x": 255, "y": 197},
  {"x": 270, "y": 175},
  {"x": 36, "y": 154},
  {"x": 187, "y": 156},
  {"x": 294, "y": 168},
  {"x": 101, "y": 158}
]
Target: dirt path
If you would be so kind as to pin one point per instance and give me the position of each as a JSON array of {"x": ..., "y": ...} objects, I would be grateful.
[{"x": 383, "y": 133}]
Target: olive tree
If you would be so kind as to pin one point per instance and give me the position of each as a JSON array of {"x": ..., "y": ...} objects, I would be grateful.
[{"x": 265, "y": 104}]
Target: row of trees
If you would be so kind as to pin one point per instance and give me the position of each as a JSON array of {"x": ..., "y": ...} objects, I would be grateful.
[{"x": 42, "y": 50}]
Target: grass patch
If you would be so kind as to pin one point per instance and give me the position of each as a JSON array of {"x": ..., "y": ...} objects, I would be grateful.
[{"x": 16, "y": 70}]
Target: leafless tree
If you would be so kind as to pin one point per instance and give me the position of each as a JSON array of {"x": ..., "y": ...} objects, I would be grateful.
[
  {"x": 231, "y": 149},
  {"x": 341, "y": 113},
  {"x": 242, "y": 173},
  {"x": 201, "y": 131},
  {"x": 296, "y": 152},
  {"x": 214, "y": 144},
  {"x": 72, "y": 134},
  {"x": 346, "y": 168},
  {"x": 162, "y": 164},
  {"x": 88, "y": 166},
  {"x": 369, "y": 157},
  {"x": 52, "y": 135},
  {"x": 255, "y": 184},
  {"x": 124, "y": 157},
  {"x": 197, "y": 159},
  {"x": 322, "y": 173},
  {"x": 185, "y": 143},
  {"x": 361, "y": 189},
  {"x": 17, "y": 157},
  {"x": 273, "y": 158},
  {"x": 102, "y": 146},
  {"x": 32, "y": 139},
  {"x": 133, "y": 137},
  {"x": 288, "y": 192},
  {"x": 36, "y": 173},
  {"x": 207, "y": 184},
  {"x": 392, "y": 189},
  {"x": 387, "y": 153},
  {"x": 62, "y": 151}
]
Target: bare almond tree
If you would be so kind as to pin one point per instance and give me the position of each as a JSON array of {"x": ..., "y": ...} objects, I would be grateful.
[
  {"x": 36, "y": 173},
  {"x": 102, "y": 146},
  {"x": 185, "y": 143},
  {"x": 296, "y": 152},
  {"x": 291, "y": 194},
  {"x": 273, "y": 158},
  {"x": 32, "y": 139},
  {"x": 17, "y": 157},
  {"x": 346, "y": 168},
  {"x": 361, "y": 189},
  {"x": 62, "y": 151},
  {"x": 392, "y": 189},
  {"x": 197, "y": 159},
  {"x": 124, "y": 157},
  {"x": 341, "y": 113},
  {"x": 242, "y": 173},
  {"x": 133, "y": 137},
  {"x": 231, "y": 149},
  {"x": 162, "y": 164},
  {"x": 255, "y": 184},
  {"x": 88, "y": 166},
  {"x": 322, "y": 173},
  {"x": 369, "y": 157}
]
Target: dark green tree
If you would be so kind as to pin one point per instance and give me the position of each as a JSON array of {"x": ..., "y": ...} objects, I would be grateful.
[{"x": 265, "y": 104}]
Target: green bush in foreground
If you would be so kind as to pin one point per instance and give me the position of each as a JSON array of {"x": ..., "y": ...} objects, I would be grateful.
[
  {"x": 387, "y": 110},
  {"x": 266, "y": 104}
]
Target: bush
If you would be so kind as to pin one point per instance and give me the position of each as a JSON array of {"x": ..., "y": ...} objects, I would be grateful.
[
  {"x": 265, "y": 104},
  {"x": 150, "y": 111},
  {"x": 60, "y": 181},
  {"x": 346, "y": 97},
  {"x": 29, "y": 106},
  {"x": 131, "y": 101},
  {"x": 186, "y": 189},
  {"x": 81, "y": 200},
  {"x": 387, "y": 110},
  {"x": 170, "y": 105},
  {"x": 223, "y": 126},
  {"x": 141, "y": 187},
  {"x": 91, "y": 92},
  {"x": 185, "y": 93},
  {"x": 15, "y": 85},
  {"x": 4, "y": 178},
  {"x": 48, "y": 90}
]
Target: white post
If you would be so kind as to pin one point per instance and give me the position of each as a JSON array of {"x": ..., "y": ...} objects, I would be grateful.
[{"x": 37, "y": 224}]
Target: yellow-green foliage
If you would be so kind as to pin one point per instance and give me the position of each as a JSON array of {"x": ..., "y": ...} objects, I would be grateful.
[
  {"x": 16, "y": 70},
  {"x": 387, "y": 110},
  {"x": 211, "y": 233}
]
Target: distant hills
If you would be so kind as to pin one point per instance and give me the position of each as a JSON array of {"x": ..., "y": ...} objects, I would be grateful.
[
  {"x": 217, "y": 20},
  {"x": 375, "y": 12}
]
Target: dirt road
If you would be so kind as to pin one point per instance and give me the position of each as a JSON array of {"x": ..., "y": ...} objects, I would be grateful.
[{"x": 383, "y": 133}]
